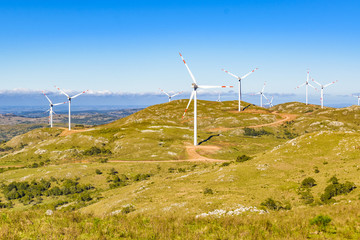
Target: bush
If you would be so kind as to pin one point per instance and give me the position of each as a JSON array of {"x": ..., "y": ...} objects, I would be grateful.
[
  {"x": 113, "y": 171},
  {"x": 322, "y": 221},
  {"x": 208, "y": 191},
  {"x": 243, "y": 158},
  {"x": 96, "y": 151},
  {"x": 225, "y": 164},
  {"x": 335, "y": 189},
  {"x": 85, "y": 197},
  {"x": 307, "y": 196},
  {"x": 141, "y": 177},
  {"x": 316, "y": 170},
  {"x": 181, "y": 170},
  {"x": 98, "y": 172},
  {"x": 127, "y": 209},
  {"x": 334, "y": 180},
  {"x": 271, "y": 204},
  {"x": 308, "y": 182},
  {"x": 254, "y": 133}
]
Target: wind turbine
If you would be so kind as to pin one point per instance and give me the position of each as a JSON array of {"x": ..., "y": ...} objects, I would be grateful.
[
  {"x": 322, "y": 90},
  {"x": 358, "y": 97},
  {"x": 51, "y": 109},
  {"x": 261, "y": 93},
  {"x": 270, "y": 102},
  {"x": 240, "y": 78},
  {"x": 306, "y": 84},
  {"x": 69, "y": 98},
  {"x": 194, "y": 95},
  {"x": 219, "y": 97},
  {"x": 170, "y": 96}
]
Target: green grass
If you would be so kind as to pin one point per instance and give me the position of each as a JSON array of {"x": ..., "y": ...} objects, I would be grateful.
[{"x": 165, "y": 205}]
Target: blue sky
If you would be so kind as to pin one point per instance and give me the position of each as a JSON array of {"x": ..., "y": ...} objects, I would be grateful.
[{"x": 132, "y": 46}]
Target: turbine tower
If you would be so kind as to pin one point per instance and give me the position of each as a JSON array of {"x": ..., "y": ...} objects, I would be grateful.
[
  {"x": 322, "y": 90},
  {"x": 261, "y": 93},
  {"x": 306, "y": 84},
  {"x": 358, "y": 98},
  {"x": 240, "y": 78},
  {"x": 51, "y": 109},
  {"x": 170, "y": 96},
  {"x": 70, "y": 98},
  {"x": 195, "y": 87}
]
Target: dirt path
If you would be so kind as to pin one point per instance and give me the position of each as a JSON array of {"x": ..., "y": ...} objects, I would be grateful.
[{"x": 67, "y": 132}]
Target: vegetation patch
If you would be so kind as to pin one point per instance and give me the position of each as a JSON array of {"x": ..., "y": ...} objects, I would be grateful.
[{"x": 335, "y": 189}]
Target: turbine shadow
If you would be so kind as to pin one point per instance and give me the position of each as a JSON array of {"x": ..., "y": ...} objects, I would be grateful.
[{"x": 208, "y": 138}]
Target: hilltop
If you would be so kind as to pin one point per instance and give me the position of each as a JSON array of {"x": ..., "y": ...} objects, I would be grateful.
[{"x": 144, "y": 167}]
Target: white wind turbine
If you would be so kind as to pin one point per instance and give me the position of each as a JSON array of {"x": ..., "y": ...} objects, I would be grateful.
[
  {"x": 306, "y": 84},
  {"x": 219, "y": 97},
  {"x": 322, "y": 90},
  {"x": 70, "y": 98},
  {"x": 170, "y": 96},
  {"x": 51, "y": 109},
  {"x": 194, "y": 95},
  {"x": 358, "y": 98},
  {"x": 270, "y": 102},
  {"x": 261, "y": 93},
  {"x": 240, "y": 78}
]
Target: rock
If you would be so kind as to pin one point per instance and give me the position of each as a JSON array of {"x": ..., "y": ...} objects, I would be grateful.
[{"x": 49, "y": 212}]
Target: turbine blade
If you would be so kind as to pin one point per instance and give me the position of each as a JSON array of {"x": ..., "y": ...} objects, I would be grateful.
[
  {"x": 311, "y": 86},
  {"x": 191, "y": 97},
  {"x": 263, "y": 87},
  {"x": 62, "y": 91},
  {"x": 301, "y": 85},
  {"x": 316, "y": 82},
  {"x": 191, "y": 75},
  {"x": 231, "y": 74},
  {"x": 176, "y": 94},
  {"x": 79, "y": 94},
  {"x": 47, "y": 97},
  {"x": 203, "y": 86},
  {"x": 330, "y": 84},
  {"x": 265, "y": 97},
  {"x": 249, "y": 73},
  {"x": 164, "y": 92},
  {"x": 56, "y": 104}
]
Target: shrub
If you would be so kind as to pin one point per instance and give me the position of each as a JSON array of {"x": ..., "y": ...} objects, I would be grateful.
[
  {"x": 316, "y": 170},
  {"x": 127, "y": 209},
  {"x": 113, "y": 171},
  {"x": 208, "y": 191},
  {"x": 96, "y": 151},
  {"x": 271, "y": 204},
  {"x": 141, "y": 177},
  {"x": 85, "y": 197},
  {"x": 322, "y": 221},
  {"x": 334, "y": 180},
  {"x": 336, "y": 188},
  {"x": 307, "y": 196},
  {"x": 181, "y": 170},
  {"x": 308, "y": 182},
  {"x": 103, "y": 160},
  {"x": 97, "y": 171},
  {"x": 254, "y": 133},
  {"x": 225, "y": 164},
  {"x": 243, "y": 158}
]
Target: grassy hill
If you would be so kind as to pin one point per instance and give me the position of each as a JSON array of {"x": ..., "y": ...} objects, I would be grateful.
[{"x": 263, "y": 191}]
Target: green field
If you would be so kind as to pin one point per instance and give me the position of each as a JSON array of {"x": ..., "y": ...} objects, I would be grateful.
[{"x": 135, "y": 177}]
